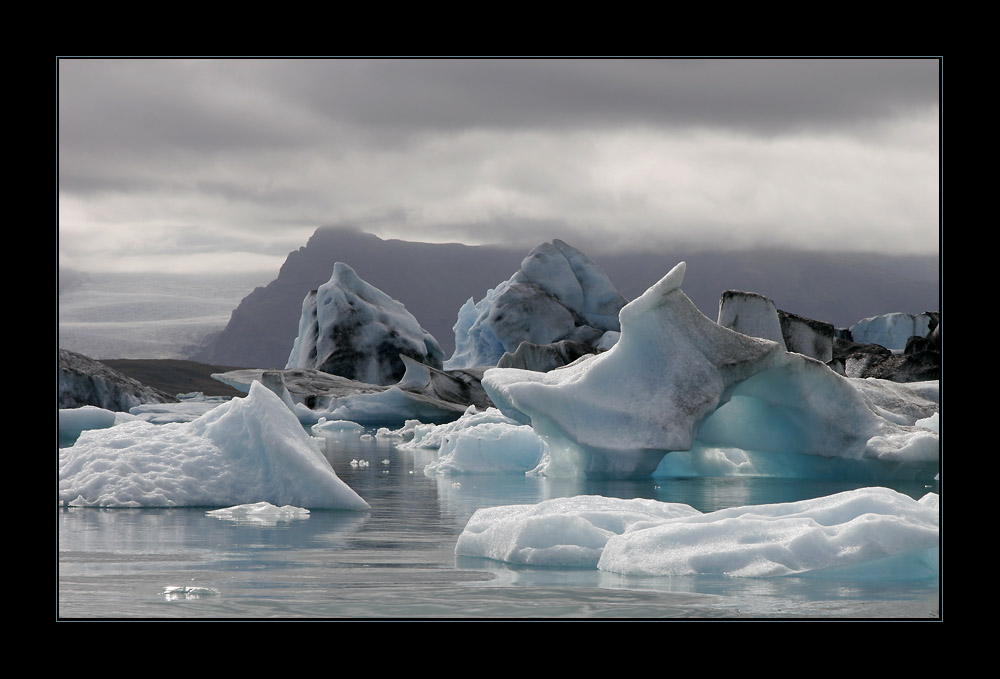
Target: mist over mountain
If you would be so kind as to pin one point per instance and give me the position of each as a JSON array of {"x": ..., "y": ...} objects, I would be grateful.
[{"x": 434, "y": 280}]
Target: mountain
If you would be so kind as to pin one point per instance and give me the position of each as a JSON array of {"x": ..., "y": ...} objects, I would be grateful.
[{"x": 434, "y": 280}]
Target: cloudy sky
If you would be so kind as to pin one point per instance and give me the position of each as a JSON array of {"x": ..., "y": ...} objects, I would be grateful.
[{"x": 227, "y": 164}]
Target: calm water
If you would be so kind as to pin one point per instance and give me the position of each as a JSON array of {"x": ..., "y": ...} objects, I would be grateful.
[{"x": 397, "y": 561}]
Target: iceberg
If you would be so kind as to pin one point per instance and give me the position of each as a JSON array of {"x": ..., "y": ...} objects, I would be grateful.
[
  {"x": 74, "y": 421},
  {"x": 860, "y": 533},
  {"x": 892, "y": 330},
  {"x": 756, "y": 315},
  {"x": 750, "y": 314},
  {"x": 620, "y": 412},
  {"x": 479, "y": 442},
  {"x": 351, "y": 328},
  {"x": 569, "y": 532},
  {"x": 263, "y": 513},
  {"x": 557, "y": 294},
  {"x": 807, "y": 336},
  {"x": 245, "y": 451}
]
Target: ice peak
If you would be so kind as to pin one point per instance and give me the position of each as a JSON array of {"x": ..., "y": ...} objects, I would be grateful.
[{"x": 655, "y": 296}]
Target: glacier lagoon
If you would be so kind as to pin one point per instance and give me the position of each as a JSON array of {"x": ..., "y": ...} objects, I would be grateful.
[
  {"x": 398, "y": 560},
  {"x": 490, "y": 523}
]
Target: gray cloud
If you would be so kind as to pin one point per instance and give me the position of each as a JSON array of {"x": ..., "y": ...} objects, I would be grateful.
[{"x": 812, "y": 152}]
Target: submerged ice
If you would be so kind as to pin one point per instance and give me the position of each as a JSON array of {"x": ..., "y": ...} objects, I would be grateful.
[
  {"x": 865, "y": 532},
  {"x": 245, "y": 451}
]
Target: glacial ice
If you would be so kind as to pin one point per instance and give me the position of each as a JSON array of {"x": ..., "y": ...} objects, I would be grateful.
[
  {"x": 247, "y": 450},
  {"x": 74, "y": 421},
  {"x": 751, "y": 314},
  {"x": 263, "y": 513},
  {"x": 569, "y": 532},
  {"x": 557, "y": 294},
  {"x": 891, "y": 330},
  {"x": 861, "y": 533},
  {"x": 479, "y": 442},
  {"x": 351, "y": 328},
  {"x": 677, "y": 381}
]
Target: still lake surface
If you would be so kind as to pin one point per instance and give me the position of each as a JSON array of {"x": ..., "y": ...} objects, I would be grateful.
[{"x": 398, "y": 560}]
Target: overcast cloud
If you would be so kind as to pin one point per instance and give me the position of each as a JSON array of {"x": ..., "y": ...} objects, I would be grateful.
[{"x": 214, "y": 165}]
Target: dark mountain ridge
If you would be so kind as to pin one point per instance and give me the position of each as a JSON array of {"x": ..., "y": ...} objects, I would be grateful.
[{"x": 434, "y": 280}]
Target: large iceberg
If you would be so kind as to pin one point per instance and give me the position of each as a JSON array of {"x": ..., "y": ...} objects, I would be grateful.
[
  {"x": 557, "y": 294},
  {"x": 351, "y": 328},
  {"x": 245, "y": 451},
  {"x": 860, "y": 533},
  {"x": 618, "y": 413}
]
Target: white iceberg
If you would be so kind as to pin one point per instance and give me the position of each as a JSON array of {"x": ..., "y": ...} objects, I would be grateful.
[
  {"x": 325, "y": 426},
  {"x": 618, "y": 413},
  {"x": 891, "y": 330},
  {"x": 569, "y": 532},
  {"x": 860, "y": 532},
  {"x": 489, "y": 448},
  {"x": 263, "y": 513},
  {"x": 247, "y": 450},
  {"x": 479, "y": 442}
]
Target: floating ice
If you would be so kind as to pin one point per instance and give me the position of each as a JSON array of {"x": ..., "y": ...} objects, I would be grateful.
[
  {"x": 855, "y": 531},
  {"x": 180, "y": 592},
  {"x": 479, "y": 442},
  {"x": 489, "y": 448},
  {"x": 751, "y": 314},
  {"x": 676, "y": 379},
  {"x": 248, "y": 450},
  {"x": 351, "y": 328},
  {"x": 189, "y": 408},
  {"x": 325, "y": 426},
  {"x": 858, "y": 532},
  {"x": 565, "y": 532},
  {"x": 74, "y": 421},
  {"x": 557, "y": 294},
  {"x": 891, "y": 330},
  {"x": 260, "y": 512}
]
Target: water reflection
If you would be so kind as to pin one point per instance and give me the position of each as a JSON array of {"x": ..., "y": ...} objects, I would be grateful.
[{"x": 398, "y": 560}]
